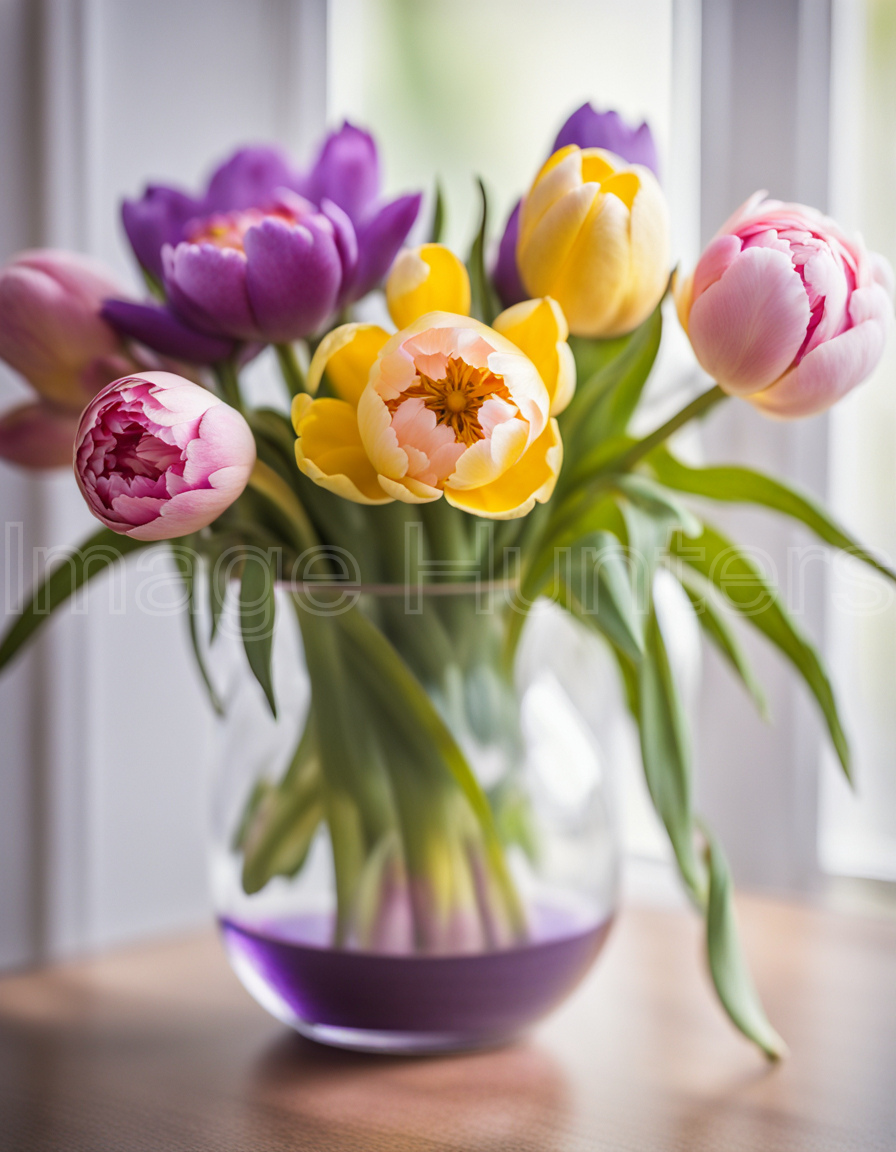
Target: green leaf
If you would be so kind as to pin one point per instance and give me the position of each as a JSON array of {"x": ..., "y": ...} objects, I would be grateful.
[
  {"x": 438, "y": 216},
  {"x": 748, "y": 590},
  {"x": 187, "y": 561},
  {"x": 606, "y": 399},
  {"x": 659, "y": 504},
  {"x": 81, "y": 565},
  {"x": 665, "y": 752},
  {"x": 714, "y": 621},
  {"x": 598, "y": 591},
  {"x": 727, "y": 964},
  {"x": 484, "y": 304},
  {"x": 257, "y": 614},
  {"x": 745, "y": 486}
]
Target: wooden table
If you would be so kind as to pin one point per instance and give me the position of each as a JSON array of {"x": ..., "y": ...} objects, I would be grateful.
[{"x": 158, "y": 1048}]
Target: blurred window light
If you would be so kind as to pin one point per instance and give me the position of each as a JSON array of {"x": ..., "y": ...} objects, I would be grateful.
[
  {"x": 455, "y": 89},
  {"x": 857, "y": 832}
]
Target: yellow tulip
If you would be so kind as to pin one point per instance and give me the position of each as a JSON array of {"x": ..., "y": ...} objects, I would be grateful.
[
  {"x": 426, "y": 279},
  {"x": 594, "y": 235},
  {"x": 444, "y": 407}
]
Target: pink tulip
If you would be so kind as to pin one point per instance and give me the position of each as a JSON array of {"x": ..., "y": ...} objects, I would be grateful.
[
  {"x": 38, "y": 436},
  {"x": 50, "y": 325},
  {"x": 786, "y": 310},
  {"x": 157, "y": 456}
]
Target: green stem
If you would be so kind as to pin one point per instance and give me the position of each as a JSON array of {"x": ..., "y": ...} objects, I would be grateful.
[
  {"x": 274, "y": 488},
  {"x": 697, "y": 407},
  {"x": 229, "y": 384},
  {"x": 290, "y": 368}
]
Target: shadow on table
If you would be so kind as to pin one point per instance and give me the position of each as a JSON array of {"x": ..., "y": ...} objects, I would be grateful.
[{"x": 514, "y": 1097}]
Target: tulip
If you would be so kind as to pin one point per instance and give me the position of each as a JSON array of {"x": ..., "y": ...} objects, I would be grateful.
[
  {"x": 266, "y": 253},
  {"x": 607, "y": 130},
  {"x": 426, "y": 279},
  {"x": 51, "y": 330},
  {"x": 594, "y": 235},
  {"x": 786, "y": 310},
  {"x": 587, "y": 129},
  {"x": 157, "y": 456},
  {"x": 271, "y": 276},
  {"x": 38, "y": 436}
]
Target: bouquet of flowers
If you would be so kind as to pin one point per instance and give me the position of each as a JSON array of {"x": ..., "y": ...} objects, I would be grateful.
[{"x": 489, "y": 426}]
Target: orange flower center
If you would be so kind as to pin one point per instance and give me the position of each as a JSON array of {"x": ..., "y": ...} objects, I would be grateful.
[{"x": 457, "y": 397}]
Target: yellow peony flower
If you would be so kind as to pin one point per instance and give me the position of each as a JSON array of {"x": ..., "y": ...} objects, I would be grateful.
[
  {"x": 594, "y": 235},
  {"x": 444, "y": 407}
]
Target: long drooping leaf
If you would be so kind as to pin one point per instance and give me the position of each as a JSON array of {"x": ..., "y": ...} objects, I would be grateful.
[
  {"x": 665, "y": 752},
  {"x": 714, "y": 621},
  {"x": 745, "y": 486},
  {"x": 74, "y": 570},
  {"x": 727, "y": 964},
  {"x": 258, "y": 609},
  {"x": 484, "y": 304},
  {"x": 597, "y": 590},
  {"x": 187, "y": 561},
  {"x": 748, "y": 590}
]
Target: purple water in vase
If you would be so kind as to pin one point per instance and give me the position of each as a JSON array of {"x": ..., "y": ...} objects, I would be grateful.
[{"x": 409, "y": 1003}]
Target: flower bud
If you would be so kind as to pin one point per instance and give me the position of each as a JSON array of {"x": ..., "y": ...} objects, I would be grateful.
[
  {"x": 157, "y": 456},
  {"x": 594, "y": 235},
  {"x": 50, "y": 325},
  {"x": 426, "y": 279},
  {"x": 786, "y": 310}
]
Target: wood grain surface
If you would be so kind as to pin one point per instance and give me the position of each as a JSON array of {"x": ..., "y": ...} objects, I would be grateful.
[{"x": 159, "y": 1048}]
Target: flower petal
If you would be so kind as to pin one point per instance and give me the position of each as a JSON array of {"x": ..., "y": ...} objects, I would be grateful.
[
  {"x": 157, "y": 219},
  {"x": 506, "y": 274},
  {"x": 760, "y": 292},
  {"x": 832, "y": 369},
  {"x": 38, "y": 436},
  {"x": 427, "y": 279},
  {"x": 248, "y": 179},
  {"x": 538, "y": 328},
  {"x": 206, "y": 286},
  {"x": 379, "y": 240},
  {"x": 158, "y": 328},
  {"x": 293, "y": 276},
  {"x": 329, "y": 450},
  {"x": 514, "y": 493},
  {"x": 345, "y": 356}
]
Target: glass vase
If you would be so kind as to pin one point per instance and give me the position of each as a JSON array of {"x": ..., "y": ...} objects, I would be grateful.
[{"x": 420, "y": 853}]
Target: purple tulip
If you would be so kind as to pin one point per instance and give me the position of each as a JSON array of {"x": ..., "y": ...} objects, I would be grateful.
[
  {"x": 271, "y": 275},
  {"x": 506, "y": 274},
  {"x": 157, "y": 456},
  {"x": 266, "y": 253},
  {"x": 588, "y": 129}
]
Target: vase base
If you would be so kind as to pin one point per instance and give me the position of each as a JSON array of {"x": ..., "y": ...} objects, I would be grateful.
[
  {"x": 410, "y": 1004},
  {"x": 389, "y": 1043}
]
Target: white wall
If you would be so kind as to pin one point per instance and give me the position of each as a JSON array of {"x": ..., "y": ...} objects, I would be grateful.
[{"x": 106, "y": 735}]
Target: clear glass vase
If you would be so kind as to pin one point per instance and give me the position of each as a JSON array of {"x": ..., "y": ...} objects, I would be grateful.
[{"x": 420, "y": 853}]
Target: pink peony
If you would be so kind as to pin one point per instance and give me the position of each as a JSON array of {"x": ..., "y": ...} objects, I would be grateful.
[
  {"x": 786, "y": 310},
  {"x": 157, "y": 456}
]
